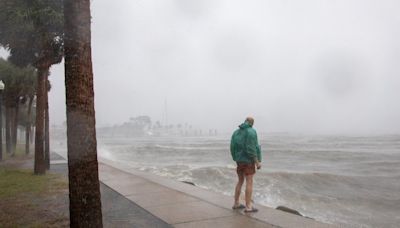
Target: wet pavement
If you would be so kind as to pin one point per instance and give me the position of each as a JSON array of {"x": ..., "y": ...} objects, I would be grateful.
[{"x": 118, "y": 211}]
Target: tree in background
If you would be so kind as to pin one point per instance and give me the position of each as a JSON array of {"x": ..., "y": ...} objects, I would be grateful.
[
  {"x": 47, "y": 127},
  {"x": 138, "y": 125},
  {"x": 84, "y": 189},
  {"x": 32, "y": 30},
  {"x": 27, "y": 118},
  {"x": 20, "y": 84}
]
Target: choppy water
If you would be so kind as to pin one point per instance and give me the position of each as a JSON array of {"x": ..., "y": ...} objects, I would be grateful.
[{"x": 349, "y": 181}]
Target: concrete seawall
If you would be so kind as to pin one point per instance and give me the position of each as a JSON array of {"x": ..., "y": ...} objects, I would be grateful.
[{"x": 184, "y": 205}]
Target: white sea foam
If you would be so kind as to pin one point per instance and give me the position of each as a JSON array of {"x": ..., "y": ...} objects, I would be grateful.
[{"x": 104, "y": 152}]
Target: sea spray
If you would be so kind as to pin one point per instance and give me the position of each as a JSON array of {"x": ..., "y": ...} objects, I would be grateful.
[{"x": 104, "y": 152}]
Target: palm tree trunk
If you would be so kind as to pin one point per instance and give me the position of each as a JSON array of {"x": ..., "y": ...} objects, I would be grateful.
[
  {"x": 47, "y": 128},
  {"x": 8, "y": 133},
  {"x": 1, "y": 125},
  {"x": 32, "y": 136},
  {"x": 39, "y": 165},
  {"x": 15, "y": 128},
  {"x": 12, "y": 125},
  {"x": 28, "y": 126},
  {"x": 84, "y": 188}
]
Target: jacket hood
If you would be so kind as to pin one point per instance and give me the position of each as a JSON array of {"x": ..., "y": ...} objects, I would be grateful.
[{"x": 244, "y": 125}]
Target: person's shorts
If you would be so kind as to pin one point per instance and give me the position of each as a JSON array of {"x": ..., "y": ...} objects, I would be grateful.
[{"x": 245, "y": 168}]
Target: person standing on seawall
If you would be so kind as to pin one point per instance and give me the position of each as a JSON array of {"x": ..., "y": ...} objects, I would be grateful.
[{"x": 246, "y": 152}]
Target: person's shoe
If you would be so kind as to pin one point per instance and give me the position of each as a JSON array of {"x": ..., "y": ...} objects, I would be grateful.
[
  {"x": 240, "y": 206},
  {"x": 251, "y": 210}
]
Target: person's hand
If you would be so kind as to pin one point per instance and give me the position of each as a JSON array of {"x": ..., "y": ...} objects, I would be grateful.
[{"x": 258, "y": 165}]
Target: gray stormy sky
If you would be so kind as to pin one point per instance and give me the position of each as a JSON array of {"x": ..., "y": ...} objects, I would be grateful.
[{"x": 313, "y": 66}]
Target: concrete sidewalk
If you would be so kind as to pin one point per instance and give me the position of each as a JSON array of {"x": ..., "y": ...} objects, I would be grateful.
[
  {"x": 117, "y": 210},
  {"x": 184, "y": 205},
  {"x": 175, "y": 207}
]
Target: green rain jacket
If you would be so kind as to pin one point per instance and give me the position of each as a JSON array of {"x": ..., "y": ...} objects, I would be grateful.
[{"x": 244, "y": 145}]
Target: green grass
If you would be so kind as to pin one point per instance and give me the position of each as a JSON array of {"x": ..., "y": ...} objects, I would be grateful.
[
  {"x": 19, "y": 152},
  {"x": 14, "y": 182},
  {"x": 28, "y": 200}
]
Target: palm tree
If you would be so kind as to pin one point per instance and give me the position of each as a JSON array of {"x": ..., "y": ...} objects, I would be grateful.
[
  {"x": 47, "y": 127},
  {"x": 19, "y": 83},
  {"x": 33, "y": 33},
  {"x": 29, "y": 91},
  {"x": 84, "y": 190},
  {"x": 28, "y": 125},
  {"x": 39, "y": 165}
]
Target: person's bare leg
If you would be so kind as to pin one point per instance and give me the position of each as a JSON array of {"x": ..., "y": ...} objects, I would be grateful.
[
  {"x": 238, "y": 189},
  {"x": 249, "y": 191}
]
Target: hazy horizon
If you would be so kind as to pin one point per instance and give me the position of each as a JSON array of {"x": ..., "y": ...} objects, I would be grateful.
[{"x": 305, "y": 67}]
